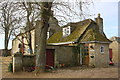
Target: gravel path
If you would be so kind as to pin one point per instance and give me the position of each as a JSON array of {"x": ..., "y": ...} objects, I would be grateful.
[
  {"x": 73, "y": 72},
  {"x": 68, "y": 73}
]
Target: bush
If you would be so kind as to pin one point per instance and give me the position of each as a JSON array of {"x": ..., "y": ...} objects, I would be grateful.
[
  {"x": 5, "y": 55},
  {"x": 10, "y": 67}
]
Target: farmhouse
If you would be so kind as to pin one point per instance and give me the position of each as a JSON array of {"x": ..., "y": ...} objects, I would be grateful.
[
  {"x": 80, "y": 43},
  {"x": 115, "y": 45},
  {"x": 21, "y": 39}
]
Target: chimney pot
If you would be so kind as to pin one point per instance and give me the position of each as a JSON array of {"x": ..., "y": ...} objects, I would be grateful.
[{"x": 98, "y": 14}]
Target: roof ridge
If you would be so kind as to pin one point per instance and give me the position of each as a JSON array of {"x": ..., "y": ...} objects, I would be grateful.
[
  {"x": 84, "y": 30},
  {"x": 76, "y": 35}
]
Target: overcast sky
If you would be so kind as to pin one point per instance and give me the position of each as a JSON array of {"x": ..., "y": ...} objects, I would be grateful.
[{"x": 109, "y": 12}]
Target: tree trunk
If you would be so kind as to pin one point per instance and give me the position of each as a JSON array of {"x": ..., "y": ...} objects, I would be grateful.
[
  {"x": 6, "y": 43},
  {"x": 42, "y": 36}
]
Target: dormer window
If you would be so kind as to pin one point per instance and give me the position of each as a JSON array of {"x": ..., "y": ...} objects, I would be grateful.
[
  {"x": 66, "y": 31},
  {"x": 48, "y": 34}
]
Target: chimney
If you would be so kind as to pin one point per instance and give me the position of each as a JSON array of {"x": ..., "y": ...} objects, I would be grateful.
[{"x": 99, "y": 22}]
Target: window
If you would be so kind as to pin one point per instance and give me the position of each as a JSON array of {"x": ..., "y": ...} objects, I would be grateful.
[
  {"x": 86, "y": 51},
  {"x": 102, "y": 49},
  {"x": 66, "y": 31},
  {"x": 48, "y": 35}
]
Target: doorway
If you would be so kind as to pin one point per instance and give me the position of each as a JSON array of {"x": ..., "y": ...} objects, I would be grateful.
[
  {"x": 50, "y": 57},
  {"x": 85, "y": 54}
]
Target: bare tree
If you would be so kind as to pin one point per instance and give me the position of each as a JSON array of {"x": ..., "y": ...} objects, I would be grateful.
[
  {"x": 31, "y": 15},
  {"x": 42, "y": 26},
  {"x": 74, "y": 11},
  {"x": 43, "y": 14},
  {"x": 29, "y": 8},
  {"x": 42, "y": 29},
  {"x": 8, "y": 20}
]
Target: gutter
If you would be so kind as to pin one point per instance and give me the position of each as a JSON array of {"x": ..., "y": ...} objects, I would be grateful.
[
  {"x": 62, "y": 43},
  {"x": 94, "y": 42}
]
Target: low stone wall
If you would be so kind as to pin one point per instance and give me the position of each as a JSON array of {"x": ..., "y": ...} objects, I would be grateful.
[
  {"x": 28, "y": 60},
  {"x": 17, "y": 62},
  {"x": 21, "y": 61},
  {"x": 65, "y": 55}
]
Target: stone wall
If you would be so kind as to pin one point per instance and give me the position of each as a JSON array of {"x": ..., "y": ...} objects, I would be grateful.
[
  {"x": 1, "y": 52},
  {"x": 17, "y": 62},
  {"x": 28, "y": 60},
  {"x": 22, "y": 61},
  {"x": 92, "y": 55},
  {"x": 33, "y": 40},
  {"x": 15, "y": 44},
  {"x": 64, "y": 55},
  {"x": 18, "y": 39},
  {"x": 115, "y": 47},
  {"x": 101, "y": 59}
]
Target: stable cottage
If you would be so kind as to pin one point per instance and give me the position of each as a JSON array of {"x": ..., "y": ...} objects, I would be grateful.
[
  {"x": 115, "y": 45},
  {"x": 80, "y": 43}
]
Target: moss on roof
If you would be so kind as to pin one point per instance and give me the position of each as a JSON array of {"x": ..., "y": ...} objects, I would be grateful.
[
  {"x": 93, "y": 34},
  {"x": 55, "y": 38},
  {"x": 80, "y": 28}
]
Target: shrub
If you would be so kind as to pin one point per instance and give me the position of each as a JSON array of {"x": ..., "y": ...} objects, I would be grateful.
[{"x": 10, "y": 67}]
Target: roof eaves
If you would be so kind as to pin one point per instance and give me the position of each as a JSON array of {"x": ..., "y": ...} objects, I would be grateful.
[
  {"x": 94, "y": 42},
  {"x": 62, "y": 43}
]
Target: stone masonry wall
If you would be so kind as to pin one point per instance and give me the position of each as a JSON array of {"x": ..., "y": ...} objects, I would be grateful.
[
  {"x": 115, "y": 47},
  {"x": 101, "y": 59},
  {"x": 64, "y": 55}
]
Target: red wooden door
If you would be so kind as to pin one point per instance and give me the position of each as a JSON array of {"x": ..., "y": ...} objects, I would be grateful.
[
  {"x": 110, "y": 53},
  {"x": 50, "y": 57}
]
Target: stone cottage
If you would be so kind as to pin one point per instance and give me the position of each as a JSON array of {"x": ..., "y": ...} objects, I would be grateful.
[
  {"x": 80, "y": 43},
  {"x": 115, "y": 45},
  {"x": 19, "y": 44},
  {"x": 22, "y": 37}
]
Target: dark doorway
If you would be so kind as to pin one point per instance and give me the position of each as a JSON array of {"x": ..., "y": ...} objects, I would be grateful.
[{"x": 50, "y": 57}]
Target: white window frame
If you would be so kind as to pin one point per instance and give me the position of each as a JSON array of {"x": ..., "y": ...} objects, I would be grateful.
[
  {"x": 102, "y": 49},
  {"x": 66, "y": 31},
  {"x": 48, "y": 34}
]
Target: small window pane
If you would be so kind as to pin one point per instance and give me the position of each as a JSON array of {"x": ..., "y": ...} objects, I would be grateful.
[{"x": 102, "y": 49}]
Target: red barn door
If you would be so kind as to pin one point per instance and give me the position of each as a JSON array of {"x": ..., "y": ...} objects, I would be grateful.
[
  {"x": 50, "y": 57},
  {"x": 110, "y": 53}
]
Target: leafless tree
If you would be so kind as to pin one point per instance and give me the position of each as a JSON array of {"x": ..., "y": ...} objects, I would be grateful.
[
  {"x": 42, "y": 29},
  {"x": 43, "y": 13},
  {"x": 32, "y": 14},
  {"x": 46, "y": 8},
  {"x": 8, "y": 20},
  {"x": 74, "y": 11}
]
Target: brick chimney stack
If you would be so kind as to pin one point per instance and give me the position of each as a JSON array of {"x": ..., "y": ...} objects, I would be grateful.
[{"x": 99, "y": 22}]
